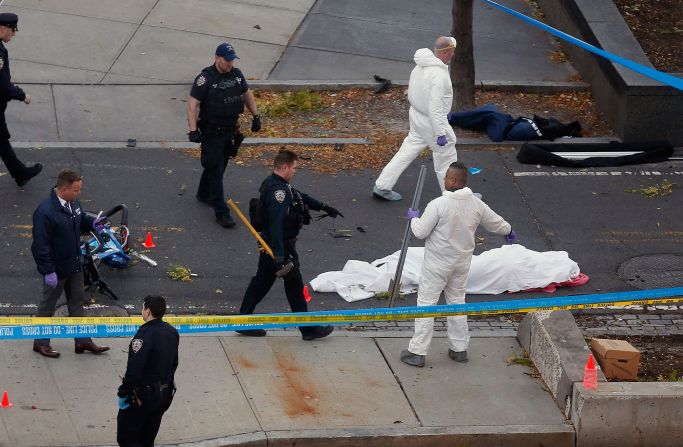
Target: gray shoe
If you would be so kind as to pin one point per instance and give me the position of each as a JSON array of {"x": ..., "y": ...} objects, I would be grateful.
[
  {"x": 386, "y": 194},
  {"x": 460, "y": 356},
  {"x": 411, "y": 359}
]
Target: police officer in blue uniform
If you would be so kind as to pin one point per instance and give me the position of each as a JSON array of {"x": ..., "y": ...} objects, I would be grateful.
[
  {"x": 57, "y": 225},
  {"x": 8, "y": 91},
  {"x": 284, "y": 212},
  {"x": 148, "y": 386},
  {"x": 217, "y": 98}
]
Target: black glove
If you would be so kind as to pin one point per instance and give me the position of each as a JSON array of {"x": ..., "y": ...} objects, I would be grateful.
[
  {"x": 195, "y": 136},
  {"x": 332, "y": 212},
  {"x": 256, "y": 123}
]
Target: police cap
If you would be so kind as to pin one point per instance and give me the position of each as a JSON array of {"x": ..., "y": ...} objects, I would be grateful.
[
  {"x": 226, "y": 51},
  {"x": 9, "y": 19}
]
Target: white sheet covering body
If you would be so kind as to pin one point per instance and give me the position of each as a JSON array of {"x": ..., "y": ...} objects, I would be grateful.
[{"x": 509, "y": 268}]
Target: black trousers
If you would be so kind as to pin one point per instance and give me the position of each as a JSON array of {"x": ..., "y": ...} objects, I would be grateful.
[
  {"x": 16, "y": 168},
  {"x": 262, "y": 282},
  {"x": 215, "y": 155},
  {"x": 137, "y": 426}
]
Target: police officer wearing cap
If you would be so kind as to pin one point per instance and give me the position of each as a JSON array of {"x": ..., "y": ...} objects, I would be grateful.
[
  {"x": 217, "y": 98},
  {"x": 284, "y": 211},
  {"x": 8, "y": 91},
  {"x": 149, "y": 384}
]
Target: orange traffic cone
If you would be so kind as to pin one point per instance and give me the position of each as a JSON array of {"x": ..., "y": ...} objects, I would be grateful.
[
  {"x": 149, "y": 243},
  {"x": 590, "y": 374},
  {"x": 5, "y": 401},
  {"x": 307, "y": 296}
]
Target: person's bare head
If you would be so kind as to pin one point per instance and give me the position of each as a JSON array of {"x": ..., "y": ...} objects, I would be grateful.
[
  {"x": 456, "y": 176},
  {"x": 444, "y": 48},
  {"x": 285, "y": 163},
  {"x": 68, "y": 185}
]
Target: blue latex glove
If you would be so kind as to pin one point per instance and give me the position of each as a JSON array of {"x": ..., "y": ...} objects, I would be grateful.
[
  {"x": 473, "y": 170},
  {"x": 511, "y": 238},
  {"x": 441, "y": 141},
  {"x": 98, "y": 224},
  {"x": 412, "y": 214},
  {"x": 123, "y": 402},
  {"x": 51, "y": 280}
]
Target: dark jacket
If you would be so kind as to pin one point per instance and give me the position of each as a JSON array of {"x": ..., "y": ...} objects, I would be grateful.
[
  {"x": 284, "y": 214},
  {"x": 56, "y": 244},
  {"x": 8, "y": 91},
  {"x": 152, "y": 357}
]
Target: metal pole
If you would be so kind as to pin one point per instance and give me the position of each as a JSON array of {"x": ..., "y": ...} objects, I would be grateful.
[{"x": 406, "y": 237}]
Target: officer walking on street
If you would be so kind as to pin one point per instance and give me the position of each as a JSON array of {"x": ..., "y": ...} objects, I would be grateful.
[
  {"x": 8, "y": 91},
  {"x": 284, "y": 212},
  {"x": 148, "y": 386},
  {"x": 217, "y": 98}
]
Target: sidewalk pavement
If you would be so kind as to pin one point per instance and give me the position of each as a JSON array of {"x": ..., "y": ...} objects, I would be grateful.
[
  {"x": 117, "y": 69},
  {"x": 281, "y": 390}
]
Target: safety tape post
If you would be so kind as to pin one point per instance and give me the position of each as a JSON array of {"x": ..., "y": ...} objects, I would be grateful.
[
  {"x": 69, "y": 327},
  {"x": 662, "y": 77}
]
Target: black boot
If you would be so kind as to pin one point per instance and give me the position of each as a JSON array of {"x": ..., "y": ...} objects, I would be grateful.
[{"x": 28, "y": 174}]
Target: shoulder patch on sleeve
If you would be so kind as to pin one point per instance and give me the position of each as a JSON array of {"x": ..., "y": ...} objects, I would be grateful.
[
  {"x": 201, "y": 80},
  {"x": 280, "y": 195},
  {"x": 136, "y": 344}
]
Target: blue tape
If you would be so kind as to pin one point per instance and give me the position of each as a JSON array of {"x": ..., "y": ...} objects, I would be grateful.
[
  {"x": 664, "y": 78},
  {"x": 338, "y": 317}
]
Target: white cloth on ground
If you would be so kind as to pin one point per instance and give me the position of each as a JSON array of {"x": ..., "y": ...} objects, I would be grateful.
[{"x": 510, "y": 268}]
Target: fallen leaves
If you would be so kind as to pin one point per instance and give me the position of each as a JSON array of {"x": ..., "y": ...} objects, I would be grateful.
[
  {"x": 383, "y": 121},
  {"x": 662, "y": 189}
]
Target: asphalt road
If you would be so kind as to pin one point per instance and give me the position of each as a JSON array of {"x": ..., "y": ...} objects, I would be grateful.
[{"x": 587, "y": 213}]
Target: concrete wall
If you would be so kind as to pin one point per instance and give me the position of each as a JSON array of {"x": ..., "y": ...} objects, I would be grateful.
[
  {"x": 638, "y": 108},
  {"x": 622, "y": 414},
  {"x": 558, "y": 350}
]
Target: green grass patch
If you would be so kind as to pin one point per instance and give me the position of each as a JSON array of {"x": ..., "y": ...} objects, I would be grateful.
[{"x": 285, "y": 104}]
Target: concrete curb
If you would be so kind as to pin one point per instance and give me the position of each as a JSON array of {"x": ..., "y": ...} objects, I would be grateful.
[
  {"x": 480, "y": 84},
  {"x": 472, "y": 436},
  {"x": 463, "y": 142}
]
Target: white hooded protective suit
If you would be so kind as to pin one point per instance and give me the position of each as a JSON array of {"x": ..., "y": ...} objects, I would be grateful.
[
  {"x": 430, "y": 94},
  {"x": 449, "y": 223}
]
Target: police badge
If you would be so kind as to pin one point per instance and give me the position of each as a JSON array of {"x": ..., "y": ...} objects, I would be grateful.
[
  {"x": 136, "y": 344},
  {"x": 201, "y": 80},
  {"x": 280, "y": 195},
  {"x": 2, "y": 63}
]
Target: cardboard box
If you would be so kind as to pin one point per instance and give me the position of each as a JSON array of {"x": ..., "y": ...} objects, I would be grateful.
[{"x": 617, "y": 358}]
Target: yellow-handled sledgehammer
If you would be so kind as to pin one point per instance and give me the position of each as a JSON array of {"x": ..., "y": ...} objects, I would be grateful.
[{"x": 287, "y": 267}]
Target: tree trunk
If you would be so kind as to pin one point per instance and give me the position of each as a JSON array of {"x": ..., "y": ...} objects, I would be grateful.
[{"x": 462, "y": 65}]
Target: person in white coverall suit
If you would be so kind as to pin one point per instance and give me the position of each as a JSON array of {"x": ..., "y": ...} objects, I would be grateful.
[
  {"x": 430, "y": 94},
  {"x": 449, "y": 223}
]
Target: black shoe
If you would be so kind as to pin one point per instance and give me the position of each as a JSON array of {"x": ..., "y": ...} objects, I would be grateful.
[
  {"x": 29, "y": 174},
  {"x": 204, "y": 200},
  {"x": 225, "y": 221},
  {"x": 252, "y": 332},
  {"x": 411, "y": 359},
  {"x": 458, "y": 356},
  {"x": 320, "y": 332}
]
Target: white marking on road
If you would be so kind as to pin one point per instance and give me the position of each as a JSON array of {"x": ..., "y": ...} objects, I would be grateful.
[{"x": 592, "y": 173}]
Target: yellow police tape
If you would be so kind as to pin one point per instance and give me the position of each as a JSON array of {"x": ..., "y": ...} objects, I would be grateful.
[{"x": 329, "y": 317}]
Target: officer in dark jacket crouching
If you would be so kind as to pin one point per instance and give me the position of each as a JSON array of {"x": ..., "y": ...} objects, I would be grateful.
[
  {"x": 57, "y": 225},
  {"x": 284, "y": 212},
  {"x": 217, "y": 98},
  {"x": 149, "y": 384}
]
